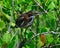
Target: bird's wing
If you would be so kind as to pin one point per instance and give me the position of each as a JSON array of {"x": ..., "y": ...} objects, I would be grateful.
[{"x": 30, "y": 21}]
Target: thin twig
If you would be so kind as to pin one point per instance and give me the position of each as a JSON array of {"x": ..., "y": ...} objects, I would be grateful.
[
  {"x": 14, "y": 35},
  {"x": 11, "y": 18},
  {"x": 40, "y": 6},
  {"x": 58, "y": 33},
  {"x": 51, "y": 46}
]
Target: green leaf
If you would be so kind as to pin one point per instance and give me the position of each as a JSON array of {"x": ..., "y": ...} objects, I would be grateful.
[
  {"x": 43, "y": 29},
  {"x": 58, "y": 29},
  {"x": 49, "y": 38},
  {"x": 51, "y": 6},
  {"x": 1, "y": 42},
  {"x": 12, "y": 24},
  {"x": 55, "y": 1},
  {"x": 8, "y": 3},
  {"x": 1, "y": 3},
  {"x": 30, "y": 34},
  {"x": 6, "y": 37},
  {"x": 27, "y": 46},
  {"x": 30, "y": 45},
  {"x": 28, "y": 8},
  {"x": 2, "y": 25},
  {"x": 51, "y": 21}
]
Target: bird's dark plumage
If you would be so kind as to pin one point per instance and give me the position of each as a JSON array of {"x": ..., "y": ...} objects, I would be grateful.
[{"x": 25, "y": 20}]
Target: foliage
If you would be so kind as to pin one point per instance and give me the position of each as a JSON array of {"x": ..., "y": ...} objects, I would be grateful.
[{"x": 9, "y": 11}]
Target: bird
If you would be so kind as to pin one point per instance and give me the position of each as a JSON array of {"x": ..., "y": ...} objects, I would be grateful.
[{"x": 25, "y": 20}]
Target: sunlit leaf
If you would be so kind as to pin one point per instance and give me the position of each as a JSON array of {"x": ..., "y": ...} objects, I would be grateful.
[
  {"x": 49, "y": 38},
  {"x": 51, "y": 6},
  {"x": 12, "y": 24},
  {"x": 2, "y": 25},
  {"x": 6, "y": 37}
]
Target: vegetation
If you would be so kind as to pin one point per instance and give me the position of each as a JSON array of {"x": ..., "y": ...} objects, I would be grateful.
[{"x": 44, "y": 32}]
